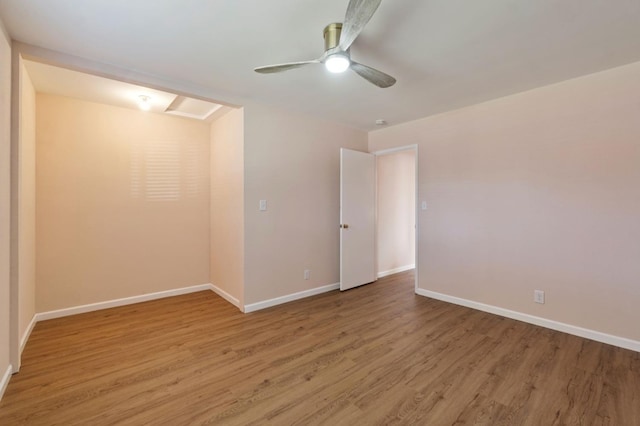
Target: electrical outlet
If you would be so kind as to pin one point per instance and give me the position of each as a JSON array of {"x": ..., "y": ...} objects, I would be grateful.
[
  {"x": 307, "y": 274},
  {"x": 538, "y": 296}
]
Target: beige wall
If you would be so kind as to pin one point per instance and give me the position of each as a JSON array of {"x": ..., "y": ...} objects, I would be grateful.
[
  {"x": 227, "y": 204},
  {"x": 123, "y": 202},
  {"x": 539, "y": 190},
  {"x": 396, "y": 194},
  {"x": 26, "y": 202},
  {"x": 293, "y": 162},
  {"x": 5, "y": 197}
]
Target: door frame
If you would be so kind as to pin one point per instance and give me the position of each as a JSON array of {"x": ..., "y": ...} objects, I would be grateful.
[{"x": 387, "y": 151}]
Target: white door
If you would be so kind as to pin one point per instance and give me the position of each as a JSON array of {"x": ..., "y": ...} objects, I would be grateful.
[{"x": 357, "y": 218}]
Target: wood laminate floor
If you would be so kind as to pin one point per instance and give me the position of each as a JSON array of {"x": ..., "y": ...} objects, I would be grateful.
[{"x": 377, "y": 354}]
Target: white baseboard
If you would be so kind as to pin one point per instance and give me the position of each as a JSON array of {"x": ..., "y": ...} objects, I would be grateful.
[
  {"x": 396, "y": 270},
  {"x": 229, "y": 298},
  {"x": 120, "y": 302},
  {"x": 4, "y": 382},
  {"x": 27, "y": 333},
  {"x": 289, "y": 298},
  {"x": 532, "y": 319}
]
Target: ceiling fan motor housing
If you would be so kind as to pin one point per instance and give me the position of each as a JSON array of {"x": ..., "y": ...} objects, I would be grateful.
[{"x": 331, "y": 34}]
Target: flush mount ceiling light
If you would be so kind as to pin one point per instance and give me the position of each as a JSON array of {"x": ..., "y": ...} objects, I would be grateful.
[{"x": 144, "y": 102}]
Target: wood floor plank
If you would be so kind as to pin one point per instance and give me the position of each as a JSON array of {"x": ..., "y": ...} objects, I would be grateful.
[{"x": 377, "y": 354}]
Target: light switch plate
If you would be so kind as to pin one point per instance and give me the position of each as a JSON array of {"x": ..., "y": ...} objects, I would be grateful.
[
  {"x": 263, "y": 205},
  {"x": 424, "y": 205}
]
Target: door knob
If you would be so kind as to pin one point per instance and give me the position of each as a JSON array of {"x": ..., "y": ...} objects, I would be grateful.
[{"x": 344, "y": 226}]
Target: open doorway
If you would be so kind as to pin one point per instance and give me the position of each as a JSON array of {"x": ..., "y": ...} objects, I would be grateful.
[
  {"x": 396, "y": 210},
  {"x": 111, "y": 188}
]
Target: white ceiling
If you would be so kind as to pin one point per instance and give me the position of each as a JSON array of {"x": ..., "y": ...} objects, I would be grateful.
[{"x": 445, "y": 54}]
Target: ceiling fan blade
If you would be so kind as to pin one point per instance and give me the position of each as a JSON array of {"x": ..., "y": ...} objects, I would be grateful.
[
  {"x": 269, "y": 69},
  {"x": 373, "y": 76},
  {"x": 359, "y": 12}
]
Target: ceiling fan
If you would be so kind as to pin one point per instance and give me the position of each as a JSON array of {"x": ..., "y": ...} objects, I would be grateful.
[{"x": 337, "y": 41}]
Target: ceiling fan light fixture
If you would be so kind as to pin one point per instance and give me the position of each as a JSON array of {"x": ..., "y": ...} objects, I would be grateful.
[{"x": 337, "y": 63}]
